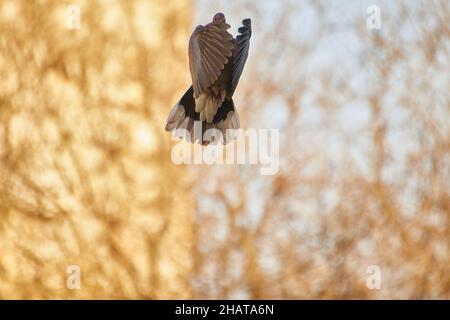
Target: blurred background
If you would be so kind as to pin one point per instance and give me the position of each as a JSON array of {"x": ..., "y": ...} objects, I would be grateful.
[{"x": 86, "y": 177}]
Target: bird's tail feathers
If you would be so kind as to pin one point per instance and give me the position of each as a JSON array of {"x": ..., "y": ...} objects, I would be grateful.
[{"x": 186, "y": 122}]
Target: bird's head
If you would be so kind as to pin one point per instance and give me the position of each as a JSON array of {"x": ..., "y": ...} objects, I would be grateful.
[{"x": 219, "y": 17}]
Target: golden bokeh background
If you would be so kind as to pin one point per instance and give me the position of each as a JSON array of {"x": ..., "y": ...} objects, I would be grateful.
[{"x": 86, "y": 176}]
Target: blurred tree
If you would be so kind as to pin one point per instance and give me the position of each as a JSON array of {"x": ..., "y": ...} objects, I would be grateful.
[
  {"x": 86, "y": 177},
  {"x": 365, "y": 157},
  {"x": 85, "y": 171}
]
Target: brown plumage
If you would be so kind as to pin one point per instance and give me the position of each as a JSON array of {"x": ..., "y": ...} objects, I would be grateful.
[{"x": 216, "y": 61}]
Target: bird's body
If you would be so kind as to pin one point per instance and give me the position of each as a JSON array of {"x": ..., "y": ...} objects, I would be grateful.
[{"x": 216, "y": 61}]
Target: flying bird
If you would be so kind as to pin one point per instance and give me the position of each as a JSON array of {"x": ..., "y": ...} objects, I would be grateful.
[{"x": 216, "y": 61}]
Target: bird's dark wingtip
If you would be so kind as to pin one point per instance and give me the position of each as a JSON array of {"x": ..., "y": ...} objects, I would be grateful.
[{"x": 247, "y": 22}]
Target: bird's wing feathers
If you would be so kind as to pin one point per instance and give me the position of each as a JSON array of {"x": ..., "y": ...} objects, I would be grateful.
[
  {"x": 240, "y": 52},
  {"x": 210, "y": 48}
]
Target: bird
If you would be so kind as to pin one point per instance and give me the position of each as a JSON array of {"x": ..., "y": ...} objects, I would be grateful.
[{"x": 216, "y": 62}]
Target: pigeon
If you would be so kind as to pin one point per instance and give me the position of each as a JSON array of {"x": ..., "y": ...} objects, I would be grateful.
[{"x": 216, "y": 62}]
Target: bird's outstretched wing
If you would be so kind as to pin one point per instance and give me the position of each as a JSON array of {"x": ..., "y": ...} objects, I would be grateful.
[
  {"x": 210, "y": 48},
  {"x": 240, "y": 52}
]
